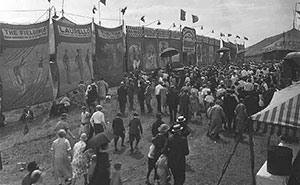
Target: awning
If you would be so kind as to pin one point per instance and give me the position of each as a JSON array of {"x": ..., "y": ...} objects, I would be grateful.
[{"x": 282, "y": 112}]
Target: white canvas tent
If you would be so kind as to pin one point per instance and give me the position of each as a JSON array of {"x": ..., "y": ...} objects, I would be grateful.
[{"x": 283, "y": 110}]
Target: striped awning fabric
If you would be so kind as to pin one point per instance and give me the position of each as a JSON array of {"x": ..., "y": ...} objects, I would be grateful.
[{"x": 283, "y": 110}]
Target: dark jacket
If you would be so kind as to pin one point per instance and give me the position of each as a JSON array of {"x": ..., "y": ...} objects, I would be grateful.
[
  {"x": 184, "y": 101},
  {"x": 176, "y": 149},
  {"x": 118, "y": 126},
  {"x": 172, "y": 99},
  {"x": 135, "y": 126},
  {"x": 141, "y": 92},
  {"x": 122, "y": 94},
  {"x": 154, "y": 128}
]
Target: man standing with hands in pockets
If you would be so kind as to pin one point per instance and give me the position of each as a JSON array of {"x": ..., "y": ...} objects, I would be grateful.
[{"x": 135, "y": 131}]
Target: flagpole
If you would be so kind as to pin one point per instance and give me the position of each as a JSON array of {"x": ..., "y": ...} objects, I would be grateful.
[{"x": 99, "y": 12}]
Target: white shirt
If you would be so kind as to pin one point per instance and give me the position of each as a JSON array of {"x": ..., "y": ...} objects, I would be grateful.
[
  {"x": 85, "y": 117},
  {"x": 244, "y": 72},
  {"x": 66, "y": 101},
  {"x": 97, "y": 118},
  {"x": 157, "y": 89}
]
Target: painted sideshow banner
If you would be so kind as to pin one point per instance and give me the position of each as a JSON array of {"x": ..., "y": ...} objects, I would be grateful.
[
  {"x": 149, "y": 54},
  {"x": 24, "y": 66},
  {"x": 134, "y": 36},
  {"x": 188, "y": 39},
  {"x": 199, "y": 53},
  {"x": 109, "y": 54},
  {"x": 205, "y": 50},
  {"x": 73, "y": 55},
  {"x": 163, "y": 38},
  {"x": 211, "y": 51}
]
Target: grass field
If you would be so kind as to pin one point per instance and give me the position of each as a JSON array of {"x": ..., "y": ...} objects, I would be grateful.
[{"x": 204, "y": 163}]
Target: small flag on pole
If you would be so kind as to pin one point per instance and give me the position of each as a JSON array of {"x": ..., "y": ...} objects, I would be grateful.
[
  {"x": 222, "y": 35},
  {"x": 237, "y": 37},
  {"x": 123, "y": 10},
  {"x": 103, "y": 1},
  {"x": 182, "y": 14},
  {"x": 94, "y": 9},
  {"x": 195, "y": 18},
  {"x": 143, "y": 18},
  {"x": 245, "y": 38},
  {"x": 229, "y": 34}
]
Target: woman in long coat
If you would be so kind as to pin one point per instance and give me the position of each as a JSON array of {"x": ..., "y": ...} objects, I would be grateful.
[
  {"x": 194, "y": 103},
  {"x": 217, "y": 117},
  {"x": 241, "y": 117},
  {"x": 101, "y": 175},
  {"x": 61, "y": 158}
]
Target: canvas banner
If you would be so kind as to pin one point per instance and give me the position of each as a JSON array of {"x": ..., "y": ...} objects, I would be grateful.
[
  {"x": 24, "y": 66},
  {"x": 150, "y": 54},
  {"x": 73, "y": 55},
  {"x": 162, "y": 45},
  {"x": 109, "y": 54},
  {"x": 134, "y": 53}
]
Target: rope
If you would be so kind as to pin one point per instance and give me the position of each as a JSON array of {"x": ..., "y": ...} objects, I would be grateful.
[{"x": 229, "y": 159}]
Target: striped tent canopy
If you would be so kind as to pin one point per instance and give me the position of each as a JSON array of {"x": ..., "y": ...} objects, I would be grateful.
[{"x": 283, "y": 110}]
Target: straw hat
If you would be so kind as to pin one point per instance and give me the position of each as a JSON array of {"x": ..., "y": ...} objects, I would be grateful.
[{"x": 163, "y": 128}]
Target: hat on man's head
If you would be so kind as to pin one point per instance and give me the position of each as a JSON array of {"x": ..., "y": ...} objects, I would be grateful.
[
  {"x": 64, "y": 115},
  {"x": 180, "y": 119},
  {"x": 135, "y": 114},
  {"x": 176, "y": 128},
  {"x": 83, "y": 107},
  {"x": 99, "y": 107},
  {"x": 158, "y": 115},
  {"x": 119, "y": 114},
  {"x": 163, "y": 128},
  {"x": 32, "y": 166}
]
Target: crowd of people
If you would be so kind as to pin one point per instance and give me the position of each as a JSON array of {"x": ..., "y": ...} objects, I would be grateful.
[{"x": 225, "y": 96}]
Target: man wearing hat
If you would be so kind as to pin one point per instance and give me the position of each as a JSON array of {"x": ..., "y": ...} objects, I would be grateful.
[
  {"x": 130, "y": 92},
  {"x": 148, "y": 96},
  {"x": 62, "y": 124},
  {"x": 135, "y": 131},
  {"x": 216, "y": 116},
  {"x": 33, "y": 175},
  {"x": 122, "y": 97},
  {"x": 184, "y": 103},
  {"x": 156, "y": 124},
  {"x": 85, "y": 121},
  {"x": 230, "y": 102},
  {"x": 172, "y": 102},
  {"x": 176, "y": 149},
  {"x": 118, "y": 130},
  {"x": 98, "y": 121}
]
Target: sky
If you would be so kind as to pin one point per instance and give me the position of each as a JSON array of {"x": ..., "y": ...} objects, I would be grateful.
[{"x": 254, "y": 19}]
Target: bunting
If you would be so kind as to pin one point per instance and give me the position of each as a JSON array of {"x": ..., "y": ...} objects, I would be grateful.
[{"x": 195, "y": 18}]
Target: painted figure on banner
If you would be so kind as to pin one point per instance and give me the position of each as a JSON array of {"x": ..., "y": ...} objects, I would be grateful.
[
  {"x": 40, "y": 67},
  {"x": 79, "y": 63},
  {"x": 211, "y": 54},
  {"x": 66, "y": 63},
  {"x": 135, "y": 56},
  {"x": 199, "y": 54},
  {"x": 150, "y": 62},
  {"x": 162, "y": 46},
  {"x": 18, "y": 71},
  {"x": 88, "y": 61},
  {"x": 112, "y": 51}
]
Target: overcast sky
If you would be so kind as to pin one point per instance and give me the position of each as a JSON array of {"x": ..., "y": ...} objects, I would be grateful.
[{"x": 255, "y": 19}]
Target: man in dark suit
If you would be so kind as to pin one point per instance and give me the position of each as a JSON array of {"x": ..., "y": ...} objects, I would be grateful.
[
  {"x": 172, "y": 102},
  {"x": 176, "y": 149},
  {"x": 184, "y": 103},
  {"x": 122, "y": 97}
]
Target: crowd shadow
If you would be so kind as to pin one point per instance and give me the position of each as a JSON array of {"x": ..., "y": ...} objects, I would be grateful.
[
  {"x": 189, "y": 169},
  {"x": 136, "y": 155}
]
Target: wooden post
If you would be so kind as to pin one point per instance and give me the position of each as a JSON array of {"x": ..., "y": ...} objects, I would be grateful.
[{"x": 251, "y": 151}]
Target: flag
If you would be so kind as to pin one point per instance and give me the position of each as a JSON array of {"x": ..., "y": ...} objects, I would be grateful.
[
  {"x": 49, "y": 1},
  {"x": 174, "y": 25},
  {"x": 222, "y": 35},
  {"x": 237, "y": 37},
  {"x": 245, "y": 38},
  {"x": 182, "y": 14},
  {"x": 195, "y": 18},
  {"x": 103, "y": 1},
  {"x": 201, "y": 27},
  {"x": 212, "y": 31},
  {"x": 123, "y": 10},
  {"x": 229, "y": 34},
  {"x": 94, "y": 9},
  {"x": 298, "y": 12},
  {"x": 143, "y": 18}
]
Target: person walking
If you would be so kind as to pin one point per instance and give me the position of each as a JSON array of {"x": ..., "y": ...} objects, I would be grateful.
[
  {"x": 118, "y": 130},
  {"x": 216, "y": 116},
  {"x": 130, "y": 92},
  {"x": 62, "y": 124},
  {"x": 172, "y": 102},
  {"x": 122, "y": 98},
  {"x": 158, "y": 88},
  {"x": 148, "y": 96},
  {"x": 141, "y": 96},
  {"x": 84, "y": 121},
  {"x": 184, "y": 103},
  {"x": 176, "y": 149},
  {"x": 61, "y": 148},
  {"x": 79, "y": 161},
  {"x": 229, "y": 105},
  {"x": 135, "y": 131},
  {"x": 156, "y": 125},
  {"x": 98, "y": 120},
  {"x": 241, "y": 116}
]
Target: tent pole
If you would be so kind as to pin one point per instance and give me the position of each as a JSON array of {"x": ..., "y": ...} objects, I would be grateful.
[{"x": 251, "y": 151}]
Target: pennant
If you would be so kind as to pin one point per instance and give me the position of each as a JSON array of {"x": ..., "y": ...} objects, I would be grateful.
[
  {"x": 143, "y": 18},
  {"x": 245, "y": 38},
  {"x": 212, "y": 31},
  {"x": 94, "y": 9},
  {"x": 103, "y": 2},
  {"x": 298, "y": 12},
  {"x": 123, "y": 10},
  {"x": 182, "y": 14},
  {"x": 237, "y": 37},
  {"x": 195, "y": 18},
  {"x": 222, "y": 35},
  {"x": 229, "y": 34},
  {"x": 174, "y": 25},
  {"x": 201, "y": 27},
  {"x": 49, "y": 1}
]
